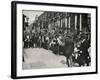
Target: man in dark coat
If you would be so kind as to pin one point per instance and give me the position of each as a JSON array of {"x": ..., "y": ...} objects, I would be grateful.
[
  {"x": 68, "y": 50},
  {"x": 84, "y": 56}
]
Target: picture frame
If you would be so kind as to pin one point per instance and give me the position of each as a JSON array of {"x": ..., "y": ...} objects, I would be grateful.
[{"x": 18, "y": 8}]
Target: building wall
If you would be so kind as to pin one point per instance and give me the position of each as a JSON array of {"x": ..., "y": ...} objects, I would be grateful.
[{"x": 69, "y": 21}]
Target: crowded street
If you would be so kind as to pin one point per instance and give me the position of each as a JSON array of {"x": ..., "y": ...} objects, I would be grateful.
[{"x": 56, "y": 39}]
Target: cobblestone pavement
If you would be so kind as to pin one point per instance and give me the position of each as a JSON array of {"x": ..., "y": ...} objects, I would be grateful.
[{"x": 37, "y": 58}]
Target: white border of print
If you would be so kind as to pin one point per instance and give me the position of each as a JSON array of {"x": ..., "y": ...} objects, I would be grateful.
[{"x": 35, "y": 72}]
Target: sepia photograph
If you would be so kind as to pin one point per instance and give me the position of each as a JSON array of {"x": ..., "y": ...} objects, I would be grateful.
[{"x": 53, "y": 40}]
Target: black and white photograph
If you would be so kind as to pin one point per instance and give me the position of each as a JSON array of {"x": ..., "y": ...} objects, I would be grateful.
[
  {"x": 56, "y": 39},
  {"x": 53, "y": 39}
]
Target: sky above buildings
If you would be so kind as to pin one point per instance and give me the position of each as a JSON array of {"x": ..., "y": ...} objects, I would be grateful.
[{"x": 31, "y": 14}]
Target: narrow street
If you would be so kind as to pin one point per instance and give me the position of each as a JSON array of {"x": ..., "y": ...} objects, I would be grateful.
[{"x": 37, "y": 58}]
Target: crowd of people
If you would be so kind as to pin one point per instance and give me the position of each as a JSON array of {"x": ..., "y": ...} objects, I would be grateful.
[{"x": 56, "y": 40}]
